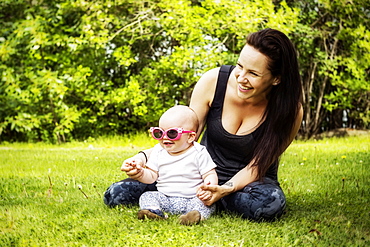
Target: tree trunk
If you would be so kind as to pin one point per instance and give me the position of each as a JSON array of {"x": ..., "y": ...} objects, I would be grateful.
[{"x": 307, "y": 91}]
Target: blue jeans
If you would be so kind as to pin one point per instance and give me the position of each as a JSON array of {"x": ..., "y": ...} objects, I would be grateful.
[{"x": 257, "y": 201}]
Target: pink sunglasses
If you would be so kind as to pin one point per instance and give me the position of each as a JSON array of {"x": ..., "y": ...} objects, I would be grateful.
[{"x": 173, "y": 134}]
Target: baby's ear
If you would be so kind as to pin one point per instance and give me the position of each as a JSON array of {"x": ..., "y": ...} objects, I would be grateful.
[{"x": 191, "y": 137}]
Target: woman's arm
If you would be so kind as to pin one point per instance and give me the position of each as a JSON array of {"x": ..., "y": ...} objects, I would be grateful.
[
  {"x": 202, "y": 96},
  {"x": 237, "y": 182}
]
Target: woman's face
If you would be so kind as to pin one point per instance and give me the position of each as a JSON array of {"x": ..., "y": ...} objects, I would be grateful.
[{"x": 254, "y": 80}]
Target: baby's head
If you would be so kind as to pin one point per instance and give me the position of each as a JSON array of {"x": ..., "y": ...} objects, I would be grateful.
[
  {"x": 177, "y": 129},
  {"x": 180, "y": 116}
]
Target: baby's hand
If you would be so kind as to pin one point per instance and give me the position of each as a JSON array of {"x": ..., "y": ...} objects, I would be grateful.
[
  {"x": 132, "y": 167},
  {"x": 128, "y": 165},
  {"x": 203, "y": 195}
]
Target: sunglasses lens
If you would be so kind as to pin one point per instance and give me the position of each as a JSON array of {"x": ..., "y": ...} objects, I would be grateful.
[
  {"x": 157, "y": 133},
  {"x": 172, "y": 134}
]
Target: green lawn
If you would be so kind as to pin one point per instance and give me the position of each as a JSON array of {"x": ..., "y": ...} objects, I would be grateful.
[{"x": 51, "y": 195}]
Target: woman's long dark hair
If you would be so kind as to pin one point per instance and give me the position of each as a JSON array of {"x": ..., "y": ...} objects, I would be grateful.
[{"x": 284, "y": 100}]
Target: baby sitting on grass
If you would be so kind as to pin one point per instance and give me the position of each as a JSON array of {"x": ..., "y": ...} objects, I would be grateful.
[{"x": 179, "y": 165}]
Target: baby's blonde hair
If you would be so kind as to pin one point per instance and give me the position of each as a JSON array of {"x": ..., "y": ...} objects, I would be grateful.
[{"x": 185, "y": 116}]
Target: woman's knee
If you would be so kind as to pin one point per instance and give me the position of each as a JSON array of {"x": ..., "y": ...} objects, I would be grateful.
[
  {"x": 116, "y": 194},
  {"x": 257, "y": 203},
  {"x": 272, "y": 207},
  {"x": 125, "y": 192}
]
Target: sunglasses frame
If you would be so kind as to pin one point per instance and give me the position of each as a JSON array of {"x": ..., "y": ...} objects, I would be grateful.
[{"x": 180, "y": 131}]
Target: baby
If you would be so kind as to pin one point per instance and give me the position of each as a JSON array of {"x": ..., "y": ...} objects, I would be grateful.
[{"x": 179, "y": 165}]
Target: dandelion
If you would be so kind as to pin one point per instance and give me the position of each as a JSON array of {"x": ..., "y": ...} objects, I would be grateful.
[
  {"x": 343, "y": 157},
  {"x": 304, "y": 158},
  {"x": 80, "y": 188}
]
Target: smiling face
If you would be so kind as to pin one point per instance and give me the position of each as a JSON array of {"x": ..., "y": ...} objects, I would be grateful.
[
  {"x": 254, "y": 80},
  {"x": 178, "y": 117}
]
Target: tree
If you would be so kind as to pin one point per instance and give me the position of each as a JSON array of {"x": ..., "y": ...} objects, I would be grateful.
[
  {"x": 74, "y": 69},
  {"x": 334, "y": 47},
  {"x": 71, "y": 69}
]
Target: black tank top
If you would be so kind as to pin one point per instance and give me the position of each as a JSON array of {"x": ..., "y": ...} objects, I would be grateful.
[{"x": 231, "y": 153}]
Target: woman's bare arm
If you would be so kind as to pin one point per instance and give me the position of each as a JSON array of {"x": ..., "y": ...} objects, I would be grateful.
[{"x": 202, "y": 96}]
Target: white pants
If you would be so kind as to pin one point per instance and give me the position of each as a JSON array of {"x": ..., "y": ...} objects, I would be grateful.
[{"x": 173, "y": 204}]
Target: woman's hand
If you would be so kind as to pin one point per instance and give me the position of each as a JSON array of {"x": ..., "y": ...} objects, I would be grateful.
[
  {"x": 133, "y": 168},
  {"x": 203, "y": 195},
  {"x": 210, "y": 194}
]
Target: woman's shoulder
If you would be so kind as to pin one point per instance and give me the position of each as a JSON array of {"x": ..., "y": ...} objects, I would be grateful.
[
  {"x": 209, "y": 76},
  {"x": 205, "y": 87},
  {"x": 207, "y": 82}
]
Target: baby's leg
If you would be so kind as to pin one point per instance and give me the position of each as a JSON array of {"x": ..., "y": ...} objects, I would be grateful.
[
  {"x": 196, "y": 204},
  {"x": 151, "y": 204},
  {"x": 195, "y": 212}
]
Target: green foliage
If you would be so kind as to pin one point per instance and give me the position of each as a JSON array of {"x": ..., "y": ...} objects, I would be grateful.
[
  {"x": 334, "y": 45},
  {"x": 74, "y": 69},
  {"x": 350, "y": 77},
  {"x": 51, "y": 195}
]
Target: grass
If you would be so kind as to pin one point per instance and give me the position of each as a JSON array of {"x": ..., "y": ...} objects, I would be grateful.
[{"x": 52, "y": 196}]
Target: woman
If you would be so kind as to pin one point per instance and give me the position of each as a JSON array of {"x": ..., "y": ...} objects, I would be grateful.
[{"x": 252, "y": 113}]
